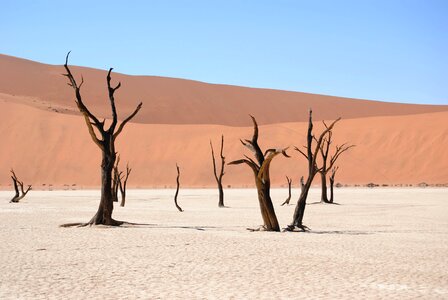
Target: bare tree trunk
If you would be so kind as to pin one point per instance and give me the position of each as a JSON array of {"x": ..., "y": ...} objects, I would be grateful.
[
  {"x": 123, "y": 184},
  {"x": 219, "y": 176},
  {"x": 16, "y": 197},
  {"x": 299, "y": 211},
  {"x": 267, "y": 209},
  {"x": 333, "y": 174},
  {"x": 324, "y": 196},
  {"x": 221, "y": 195},
  {"x": 104, "y": 213},
  {"x": 289, "y": 180},
  {"x": 123, "y": 197},
  {"x": 331, "y": 191},
  {"x": 177, "y": 189},
  {"x": 19, "y": 194},
  {"x": 116, "y": 180},
  {"x": 260, "y": 168}
]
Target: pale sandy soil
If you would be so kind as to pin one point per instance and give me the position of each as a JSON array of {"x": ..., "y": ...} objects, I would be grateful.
[{"x": 380, "y": 243}]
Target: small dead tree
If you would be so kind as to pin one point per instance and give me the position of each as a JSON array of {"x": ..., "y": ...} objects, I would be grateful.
[
  {"x": 260, "y": 167},
  {"x": 122, "y": 183},
  {"x": 311, "y": 155},
  {"x": 20, "y": 194},
  {"x": 289, "y": 180},
  {"x": 116, "y": 180},
  {"x": 105, "y": 139},
  {"x": 333, "y": 174},
  {"x": 219, "y": 176},
  {"x": 177, "y": 189},
  {"x": 328, "y": 165}
]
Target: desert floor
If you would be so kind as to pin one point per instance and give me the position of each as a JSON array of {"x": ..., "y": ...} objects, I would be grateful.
[{"x": 378, "y": 243}]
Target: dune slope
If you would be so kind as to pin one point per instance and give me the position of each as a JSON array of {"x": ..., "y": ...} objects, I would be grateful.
[
  {"x": 50, "y": 148},
  {"x": 179, "y": 101}
]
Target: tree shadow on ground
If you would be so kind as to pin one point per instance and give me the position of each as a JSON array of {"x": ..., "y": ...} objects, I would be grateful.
[
  {"x": 320, "y": 202},
  {"x": 346, "y": 232},
  {"x": 139, "y": 225}
]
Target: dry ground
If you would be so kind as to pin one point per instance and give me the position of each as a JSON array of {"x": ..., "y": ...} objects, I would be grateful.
[{"x": 379, "y": 243}]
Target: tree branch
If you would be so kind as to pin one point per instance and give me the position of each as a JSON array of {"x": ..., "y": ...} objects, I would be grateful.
[{"x": 125, "y": 121}]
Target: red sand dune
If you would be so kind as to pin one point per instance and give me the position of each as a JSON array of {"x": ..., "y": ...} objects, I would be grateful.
[
  {"x": 396, "y": 143},
  {"x": 46, "y": 147},
  {"x": 179, "y": 101}
]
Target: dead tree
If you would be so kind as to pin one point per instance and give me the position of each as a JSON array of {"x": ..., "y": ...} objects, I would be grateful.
[
  {"x": 177, "y": 189},
  {"x": 219, "y": 176},
  {"x": 311, "y": 155},
  {"x": 122, "y": 184},
  {"x": 20, "y": 194},
  {"x": 105, "y": 139},
  {"x": 116, "y": 180},
  {"x": 333, "y": 174},
  {"x": 328, "y": 165},
  {"x": 289, "y": 180},
  {"x": 260, "y": 167}
]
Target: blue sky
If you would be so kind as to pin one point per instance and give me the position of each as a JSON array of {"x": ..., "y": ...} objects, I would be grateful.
[{"x": 384, "y": 50}]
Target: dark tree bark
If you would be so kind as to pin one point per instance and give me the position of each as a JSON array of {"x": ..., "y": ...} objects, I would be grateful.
[
  {"x": 122, "y": 184},
  {"x": 177, "y": 189},
  {"x": 311, "y": 156},
  {"x": 260, "y": 168},
  {"x": 289, "y": 180},
  {"x": 219, "y": 176},
  {"x": 105, "y": 140},
  {"x": 327, "y": 166},
  {"x": 333, "y": 174},
  {"x": 20, "y": 194}
]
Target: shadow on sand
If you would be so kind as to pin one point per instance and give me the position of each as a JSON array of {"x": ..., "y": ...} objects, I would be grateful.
[{"x": 346, "y": 232}]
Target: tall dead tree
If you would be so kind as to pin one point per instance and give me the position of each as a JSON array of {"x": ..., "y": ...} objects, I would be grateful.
[
  {"x": 105, "y": 139},
  {"x": 328, "y": 165},
  {"x": 289, "y": 180},
  {"x": 219, "y": 176},
  {"x": 177, "y": 189},
  {"x": 122, "y": 184},
  {"x": 333, "y": 174},
  {"x": 20, "y": 194},
  {"x": 311, "y": 155},
  {"x": 260, "y": 168}
]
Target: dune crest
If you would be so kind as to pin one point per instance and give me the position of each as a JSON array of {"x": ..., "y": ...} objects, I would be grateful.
[{"x": 180, "y": 101}]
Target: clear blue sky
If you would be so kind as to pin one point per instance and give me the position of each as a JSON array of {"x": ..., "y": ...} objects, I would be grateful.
[{"x": 385, "y": 50}]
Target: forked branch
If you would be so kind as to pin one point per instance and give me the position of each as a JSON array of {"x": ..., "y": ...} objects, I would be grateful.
[{"x": 19, "y": 194}]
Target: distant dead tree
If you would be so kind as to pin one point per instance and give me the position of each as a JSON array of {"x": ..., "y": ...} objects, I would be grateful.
[
  {"x": 289, "y": 180},
  {"x": 20, "y": 194},
  {"x": 105, "y": 140},
  {"x": 333, "y": 174},
  {"x": 302, "y": 184},
  {"x": 219, "y": 176},
  {"x": 260, "y": 167},
  {"x": 122, "y": 183},
  {"x": 311, "y": 155},
  {"x": 116, "y": 179},
  {"x": 177, "y": 189},
  {"x": 328, "y": 165},
  {"x": 119, "y": 182}
]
